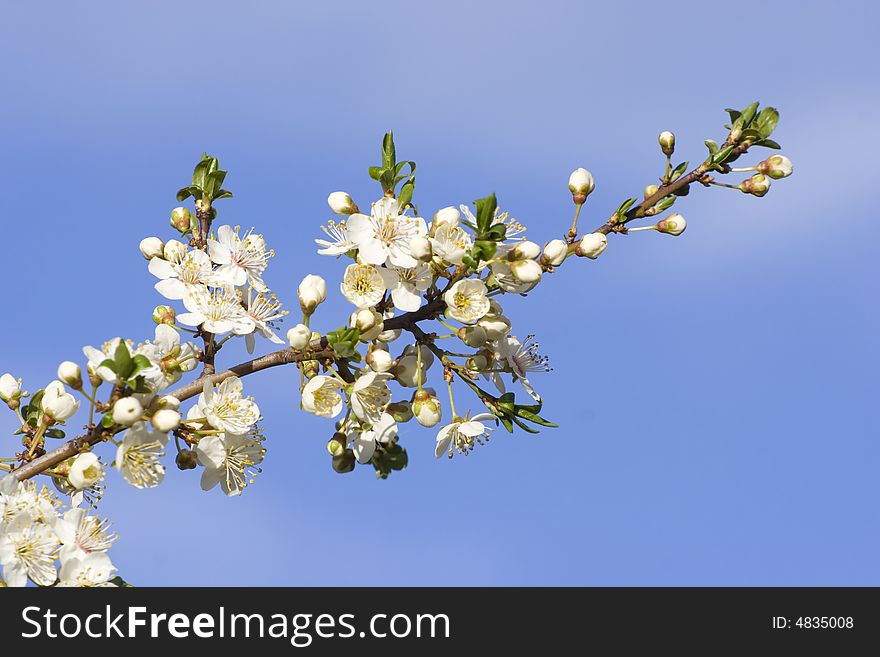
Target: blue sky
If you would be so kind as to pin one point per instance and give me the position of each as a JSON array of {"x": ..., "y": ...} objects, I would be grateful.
[{"x": 714, "y": 392}]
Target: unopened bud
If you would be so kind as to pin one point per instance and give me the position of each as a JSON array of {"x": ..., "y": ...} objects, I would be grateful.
[
  {"x": 312, "y": 292},
  {"x": 368, "y": 322},
  {"x": 674, "y": 224},
  {"x": 166, "y": 420},
  {"x": 186, "y": 459},
  {"x": 152, "y": 247},
  {"x": 592, "y": 245},
  {"x": 69, "y": 373},
  {"x": 127, "y": 411},
  {"x": 426, "y": 408},
  {"x": 650, "y": 190},
  {"x": 401, "y": 411},
  {"x": 555, "y": 252},
  {"x": 473, "y": 336},
  {"x": 496, "y": 326},
  {"x": 379, "y": 360},
  {"x": 174, "y": 250},
  {"x": 526, "y": 271},
  {"x": 164, "y": 315},
  {"x": 524, "y": 250},
  {"x": 299, "y": 337},
  {"x": 341, "y": 203},
  {"x": 420, "y": 249},
  {"x": 344, "y": 462},
  {"x": 757, "y": 185},
  {"x": 94, "y": 379},
  {"x": 336, "y": 445},
  {"x": 667, "y": 142},
  {"x": 581, "y": 185},
  {"x": 776, "y": 166},
  {"x": 181, "y": 219},
  {"x": 168, "y": 401}
]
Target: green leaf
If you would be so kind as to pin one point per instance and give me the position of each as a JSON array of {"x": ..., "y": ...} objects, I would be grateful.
[
  {"x": 626, "y": 205},
  {"x": 534, "y": 417},
  {"x": 497, "y": 232},
  {"x": 184, "y": 193},
  {"x": 748, "y": 114},
  {"x": 141, "y": 363},
  {"x": 768, "y": 143},
  {"x": 677, "y": 171},
  {"x": 110, "y": 364},
  {"x": 376, "y": 172},
  {"x": 486, "y": 208},
  {"x": 522, "y": 425},
  {"x": 734, "y": 114},
  {"x": 124, "y": 363},
  {"x": 389, "y": 154},
  {"x": 766, "y": 121},
  {"x": 712, "y": 146},
  {"x": 223, "y": 193},
  {"x": 406, "y": 193},
  {"x": 54, "y": 433}
]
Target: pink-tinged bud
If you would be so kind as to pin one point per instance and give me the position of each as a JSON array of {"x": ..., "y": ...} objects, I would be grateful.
[
  {"x": 581, "y": 185},
  {"x": 674, "y": 224},
  {"x": 757, "y": 185},
  {"x": 181, "y": 219},
  {"x": 592, "y": 245}
]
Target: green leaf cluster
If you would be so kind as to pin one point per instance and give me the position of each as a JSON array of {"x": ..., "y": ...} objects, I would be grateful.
[
  {"x": 207, "y": 182},
  {"x": 344, "y": 342},
  {"x": 391, "y": 173}
]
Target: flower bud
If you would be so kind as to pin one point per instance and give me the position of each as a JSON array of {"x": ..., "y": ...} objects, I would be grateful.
[
  {"x": 368, "y": 322},
  {"x": 186, "y": 459},
  {"x": 524, "y": 250},
  {"x": 166, "y": 420},
  {"x": 667, "y": 142},
  {"x": 152, "y": 247},
  {"x": 581, "y": 185},
  {"x": 526, "y": 271},
  {"x": 168, "y": 401},
  {"x": 344, "y": 462},
  {"x": 336, "y": 445},
  {"x": 127, "y": 411},
  {"x": 776, "y": 166},
  {"x": 420, "y": 249},
  {"x": 379, "y": 360},
  {"x": 406, "y": 371},
  {"x": 174, "y": 250},
  {"x": 94, "y": 379},
  {"x": 473, "y": 336},
  {"x": 10, "y": 388},
  {"x": 650, "y": 190},
  {"x": 757, "y": 185},
  {"x": 592, "y": 245},
  {"x": 312, "y": 292},
  {"x": 445, "y": 217},
  {"x": 299, "y": 337},
  {"x": 495, "y": 326},
  {"x": 69, "y": 373},
  {"x": 427, "y": 354},
  {"x": 401, "y": 411},
  {"x": 480, "y": 362},
  {"x": 164, "y": 315},
  {"x": 674, "y": 224},
  {"x": 426, "y": 407},
  {"x": 310, "y": 368},
  {"x": 181, "y": 219},
  {"x": 84, "y": 470},
  {"x": 341, "y": 203},
  {"x": 555, "y": 252}
]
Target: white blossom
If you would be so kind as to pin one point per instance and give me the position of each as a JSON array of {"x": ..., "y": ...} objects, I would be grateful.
[
  {"x": 521, "y": 359},
  {"x": 339, "y": 241},
  {"x": 370, "y": 396},
  {"x": 57, "y": 403},
  {"x": 450, "y": 243},
  {"x": 363, "y": 285},
  {"x": 28, "y": 550},
  {"x": 85, "y": 471},
  {"x": 299, "y": 337},
  {"x": 321, "y": 396},
  {"x": 182, "y": 273},
  {"x": 225, "y": 408},
  {"x": 165, "y": 419},
  {"x": 70, "y": 373},
  {"x": 555, "y": 252},
  {"x": 81, "y": 534},
  {"x": 218, "y": 311},
  {"x": 169, "y": 357},
  {"x": 406, "y": 285},
  {"x": 230, "y": 460},
  {"x": 242, "y": 260},
  {"x": 91, "y": 570},
  {"x": 462, "y": 435},
  {"x": 364, "y": 442},
  {"x": 384, "y": 236},
  {"x": 137, "y": 457},
  {"x": 263, "y": 309},
  {"x": 152, "y": 247},
  {"x": 466, "y": 301},
  {"x": 10, "y": 388}
]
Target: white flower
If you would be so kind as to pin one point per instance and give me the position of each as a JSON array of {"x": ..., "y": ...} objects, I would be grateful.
[
  {"x": 462, "y": 435},
  {"x": 137, "y": 456},
  {"x": 341, "y": 203},
  {"x": 93, "y": 569},
  {"x": 466, "y": 301},
  {"x": 581, "y": 182},
  {"x": 170, "y": 358},
  {"x": 218, "y": 311},
  {"x": 10, "y": 388},
  {"x": 181, "y": 273},
  {"x": 299, "y": 337},
  {"x": 555, "y": 252},
  {"x": 229, "y": 460},
  {"x": 523, "y": 250},
  {"x": 447, "y": 216},
  {"x": 364, "y": 442},
  {"x": 312, "y": 292},
  {"x": 242, "y": 260},
  {"x": 321, "y": 396},
  {"x": 406, "y": 285},
  {"x": 127, "y": 411},
  {"x": 340, "y": 241},
  {"x": 526, "y": 271},
  {"x": 70, "y": 373},
  {"x": 165, "y": 419},
  {"x": 263, "y": 310},
  {"x": 385, "y": 235},
  {"x": 370, "y": 396},
  {"x": 85, "y": 471},
  {"x": 426, "y": 408},
  {"x": 450, "y": 243},
  {"x": 28, "y": 549},
  {"x": 23, "y": 497},
  {"x": 392, "y": 334},
  {"x": 495, "y": 326},
  {"x": 674, "y": 224},
  {"x": 225, "y": 408},
  {"x": 81, "y": 534},
  {"x": 152, "y": 247},
  {"x": 592, "y": 245},
  {"x": 362, "y": 285},
  {"x": 379, "y": 360},
  {"x": 57, "y": 403},
  {"x": 520, "y": 359}
]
